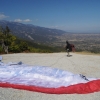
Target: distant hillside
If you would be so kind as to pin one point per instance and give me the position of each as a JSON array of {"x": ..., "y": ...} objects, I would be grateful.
[
  {"x": 53, "y": 37},
  {"x": 32, "y": 32}
]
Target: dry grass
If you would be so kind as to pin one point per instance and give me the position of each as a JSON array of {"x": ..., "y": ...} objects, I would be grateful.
[{"x": 87, "y": 53}]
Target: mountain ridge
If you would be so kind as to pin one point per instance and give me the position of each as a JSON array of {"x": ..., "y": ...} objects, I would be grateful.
[{"x": 31, "y": 32}]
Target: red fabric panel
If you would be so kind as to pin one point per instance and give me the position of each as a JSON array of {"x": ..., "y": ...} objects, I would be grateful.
[{"x": 82, "y": 88}]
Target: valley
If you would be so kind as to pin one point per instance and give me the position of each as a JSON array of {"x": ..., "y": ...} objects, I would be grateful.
[{"x": 82, "y": 42}]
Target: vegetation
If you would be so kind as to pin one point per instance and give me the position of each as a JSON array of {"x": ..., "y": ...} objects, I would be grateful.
[{"x": 16, "y": 45}]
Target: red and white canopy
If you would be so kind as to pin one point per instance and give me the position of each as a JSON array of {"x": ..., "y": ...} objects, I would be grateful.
[{"x": 45, "y": 79}]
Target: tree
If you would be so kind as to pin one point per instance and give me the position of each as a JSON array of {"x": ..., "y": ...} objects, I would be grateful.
[
  {"x": 6, "y": 38},
  {"x": 6, "y": 31},
  {"x": 23, "y": 46}
]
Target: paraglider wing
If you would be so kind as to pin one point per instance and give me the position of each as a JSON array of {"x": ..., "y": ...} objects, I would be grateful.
[{"x": 45, "y": 79}]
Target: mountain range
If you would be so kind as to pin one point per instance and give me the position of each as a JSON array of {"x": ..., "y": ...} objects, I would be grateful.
[{"x": 32, "y": 33}]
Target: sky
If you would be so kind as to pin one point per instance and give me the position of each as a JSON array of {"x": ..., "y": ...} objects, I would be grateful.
[{"x": 81, "y": 16}]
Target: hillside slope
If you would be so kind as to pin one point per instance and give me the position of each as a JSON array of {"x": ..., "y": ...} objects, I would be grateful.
[{"x": 32, "y": 32}]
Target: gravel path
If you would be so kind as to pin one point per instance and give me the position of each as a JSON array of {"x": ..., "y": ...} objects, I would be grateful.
[{"x": 88, "y": 65}]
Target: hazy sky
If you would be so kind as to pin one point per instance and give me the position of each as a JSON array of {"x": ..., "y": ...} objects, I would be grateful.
[{"x": 69, "y": 15}]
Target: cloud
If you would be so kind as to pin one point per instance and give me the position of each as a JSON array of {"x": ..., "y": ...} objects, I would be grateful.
[
  {"x": 20, "y": 20},
  {"x": 27, "y": 20},
  {"x": 17, "y": 20},
  {"x": 2, "y": 16}
]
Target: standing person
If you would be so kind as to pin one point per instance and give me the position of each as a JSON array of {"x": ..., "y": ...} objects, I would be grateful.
[{"x": 69, "y": 48}]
